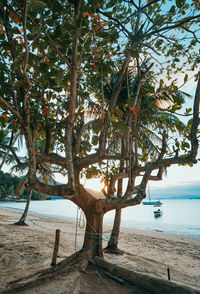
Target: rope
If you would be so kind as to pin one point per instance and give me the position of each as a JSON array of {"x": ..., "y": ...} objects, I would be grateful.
[
  {"x": 34, "y": 223},
  {"x": 67, "y": 233},
  {"x": 95, "y": 238},
  {"x": 76, "y": 231},
  {"x": 51, "y": 230},
  {"x": 92, "y": 235},
  {"x": 81, "y": 219},
  {"x": 83, "y": 249}
]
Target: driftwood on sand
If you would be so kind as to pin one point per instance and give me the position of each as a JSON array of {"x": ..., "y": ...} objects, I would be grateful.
[{"x": 71, "y": 276}]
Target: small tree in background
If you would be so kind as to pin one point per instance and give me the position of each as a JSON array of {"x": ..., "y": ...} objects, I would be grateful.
[{"x": 45, "y": 174}]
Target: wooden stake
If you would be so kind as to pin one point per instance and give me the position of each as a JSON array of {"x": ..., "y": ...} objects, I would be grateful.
[
  {"x": 56, "y": 247},
  {"x": 168, "y": 273}
]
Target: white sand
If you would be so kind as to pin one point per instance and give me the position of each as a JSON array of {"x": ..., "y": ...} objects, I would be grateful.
[{"x": 25, "y": 250}]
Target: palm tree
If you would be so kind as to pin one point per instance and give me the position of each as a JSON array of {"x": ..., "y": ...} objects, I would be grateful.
[
  {"x": 149, "y": 119},
  {"x": 44, "y": 170},
  {"x": 45, "y": 173},
  {"x": 6, "y": 147},
  {"x": 112, "y": 246},
  {"x": 22, "y": 220},
  {"x": 8, "y": 138}
]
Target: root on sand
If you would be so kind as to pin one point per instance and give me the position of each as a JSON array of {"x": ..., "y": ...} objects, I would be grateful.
[{"x": 79, "y": 275}]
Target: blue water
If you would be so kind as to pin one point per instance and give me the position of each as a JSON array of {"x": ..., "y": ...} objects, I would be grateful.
[{"x": 180, "y": 216}]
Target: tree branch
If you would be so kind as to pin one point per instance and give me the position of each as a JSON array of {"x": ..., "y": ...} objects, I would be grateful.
[
  {"x": 57, "y": 190},
  {"x": 112, "y": 104},
  {"x": 73, "y": 97},
  {"x": 26, "y": 56},
  {"x": 195, "y": 123},
  {"x": 12, "y": 110},
  {"x": 115, "y": 20},
  {"x": 52, "y": 158},
  {"x": 57, "y": 50},
  {"x": 11, "y": 149},
  {"x": 176, "y": 25}
]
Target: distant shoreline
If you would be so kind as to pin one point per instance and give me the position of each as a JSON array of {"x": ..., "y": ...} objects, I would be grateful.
[
  {"x": 153, "y": 198},
  {"x": 173, "y": 230}
]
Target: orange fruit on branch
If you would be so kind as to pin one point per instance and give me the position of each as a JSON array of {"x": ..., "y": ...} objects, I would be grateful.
[
  {"x": 14, "y": 16},
  {"x": 46, "y": 111},
  {"x": 5, "y": 117}
]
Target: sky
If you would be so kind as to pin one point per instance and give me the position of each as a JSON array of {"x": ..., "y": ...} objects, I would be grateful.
[
  {"x": 177, "y": 177},
  {"x": 182, "y": 175}
]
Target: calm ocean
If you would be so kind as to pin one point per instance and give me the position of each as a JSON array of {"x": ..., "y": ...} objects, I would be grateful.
[{"x": 180, "y": 217}]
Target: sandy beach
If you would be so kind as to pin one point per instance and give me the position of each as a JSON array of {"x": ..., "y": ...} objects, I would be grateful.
[{"x": 25, "y": 250}]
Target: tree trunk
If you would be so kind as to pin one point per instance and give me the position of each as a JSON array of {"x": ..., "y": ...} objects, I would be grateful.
[
  {"x": 112, "y": 246},
  {"x": 92, "y": 245},
  {"x": 22, "y": 220}
]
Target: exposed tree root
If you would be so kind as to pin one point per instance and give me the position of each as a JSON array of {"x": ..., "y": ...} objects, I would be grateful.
[
  {"x": 19, "y": 223},
  {"x": 70, "y": 264},
  {"x": 113, "y": 250},
  {"x": 69, "y": 275},
  {"x": 151, "y": 284}
]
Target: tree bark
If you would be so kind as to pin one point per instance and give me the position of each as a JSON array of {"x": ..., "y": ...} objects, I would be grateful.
[
  {"x": 22, "y": 220},
  {"x": 92, "y": 245},
  {"x": 112, "y": 246}
]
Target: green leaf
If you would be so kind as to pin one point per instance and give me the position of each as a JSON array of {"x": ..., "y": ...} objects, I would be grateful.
[
  {"x": 161, "y": 83},
  {"x": 95, "y": 140},
  {"x": 180, "y": 3},
  {"x": 97, "y": 127},
  {"x": 158, "y": 43},
  {"x": 188, "y": 110},
  {"x": 121, "y": 126},
  {"x": 179, "y": 47},
  {"x": 119, "y": 112},
  {"x": 177, "y": 144},
  {"x": 172, "y": 9},
  {"x": 36, "y": 6},
  {"x": 185, "y": 78}
]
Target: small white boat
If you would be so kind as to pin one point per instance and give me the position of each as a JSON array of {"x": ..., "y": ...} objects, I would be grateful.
[
  {"x": 155, "y": 203},
  {"x": 157, "y": 213},
  {"x": 150, "y": 202}
]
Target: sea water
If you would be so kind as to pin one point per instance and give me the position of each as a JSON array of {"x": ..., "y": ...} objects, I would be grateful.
[{"x": 180, "y": 216}]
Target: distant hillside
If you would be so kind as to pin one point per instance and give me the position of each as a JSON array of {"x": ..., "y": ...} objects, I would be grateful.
[
  {"x": 177, "y": 192},
  {"x": 9, "y": 183}
]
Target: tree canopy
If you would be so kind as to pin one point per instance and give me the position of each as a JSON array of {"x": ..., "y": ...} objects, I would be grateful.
[{"x": 122, "y": 57}]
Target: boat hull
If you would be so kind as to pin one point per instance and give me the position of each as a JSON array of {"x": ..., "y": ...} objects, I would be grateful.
[
  {"x": 157, "y": 203},
  {"x": 157, "y": 214}
]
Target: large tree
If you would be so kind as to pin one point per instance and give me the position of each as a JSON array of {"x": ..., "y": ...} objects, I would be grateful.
[{"x": 56, "y": 55}]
